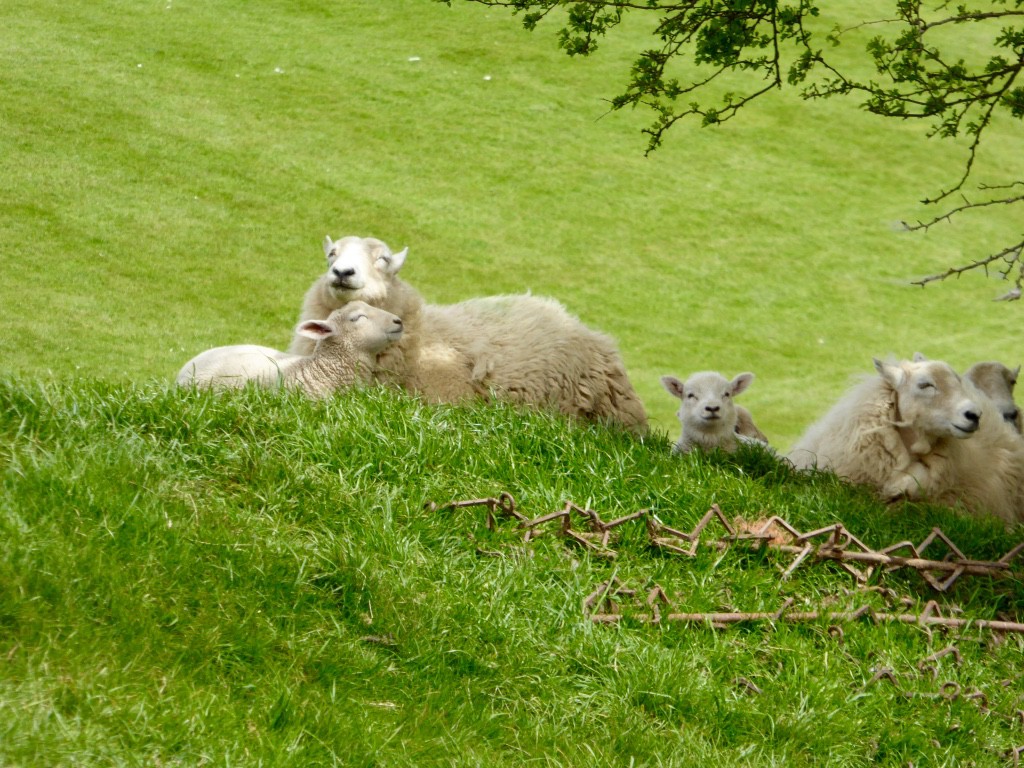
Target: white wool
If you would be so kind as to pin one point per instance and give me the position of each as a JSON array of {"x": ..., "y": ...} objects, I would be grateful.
[{"x": 917, "y": 431}]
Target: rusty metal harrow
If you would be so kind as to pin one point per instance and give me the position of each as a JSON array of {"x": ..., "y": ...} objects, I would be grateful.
[{"x": 833, "y": 543}]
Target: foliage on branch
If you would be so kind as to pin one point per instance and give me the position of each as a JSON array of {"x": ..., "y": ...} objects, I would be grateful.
[{"x": 921, "y": 64}]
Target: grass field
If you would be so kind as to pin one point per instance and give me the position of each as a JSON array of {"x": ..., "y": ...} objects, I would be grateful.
[
  {"x": 254, "y": 579},
  {"x": 171, "y": 168}
]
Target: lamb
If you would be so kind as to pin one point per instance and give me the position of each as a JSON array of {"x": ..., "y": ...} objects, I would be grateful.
[
  {"x": 346, "y": 346},
  {"x": 916, "y": 431},
  {"x": 522, "y": 349},
  {"x": 708, "y": 414},
  {"x": 997, "y": 382}
]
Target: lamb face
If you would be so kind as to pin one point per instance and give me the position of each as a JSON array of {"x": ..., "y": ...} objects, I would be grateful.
[
  {"x": 707, "y": 407},
  {"x": 357, "y": 325},
  {"x": 931, "y": 399},
  {"x": 359, "y": 268},
  {"x": 997, "y": 382}
]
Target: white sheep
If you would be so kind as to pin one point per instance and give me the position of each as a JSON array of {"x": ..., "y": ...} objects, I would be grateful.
[
  {"x": 708, "y": 413},
  {"x": 997, "y": 382},
  {"x": 917, "y": 431},
  {"x": 345, "y": 349},
  {"x": 522, "y": 349}
]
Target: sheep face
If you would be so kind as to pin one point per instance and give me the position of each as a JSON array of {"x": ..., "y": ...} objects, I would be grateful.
[
  {"x": 707, "y": 400},
  {"x": 360, "y": 268},
  {"x": 358, "y": 325},
  {"x": 997, "y": 382},
  {"x": 931, "y": 398}
]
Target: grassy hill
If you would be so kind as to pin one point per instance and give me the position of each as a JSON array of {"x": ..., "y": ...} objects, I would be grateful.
[
  {"x": 171, "y": 168},
  {"x": 256, "y": 579}
]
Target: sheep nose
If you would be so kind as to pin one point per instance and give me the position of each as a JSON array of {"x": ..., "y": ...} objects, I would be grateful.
[
  {"x": 972, "y": 416},
  {"x": 1011, "y": 415},
  {"x": 398, "y": 322},
  {"x": 712, "y": 408},
  {"x": 343, "y": 274}
]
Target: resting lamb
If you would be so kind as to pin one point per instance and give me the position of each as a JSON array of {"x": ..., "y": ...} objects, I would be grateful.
[
  {"x": 997, "y": 382},
  {"x": 522, "y": 349},
  {"x": 346, "y": 346},
  {"x": 708, "y": 413},
  {"x": 917, "y": 431}
]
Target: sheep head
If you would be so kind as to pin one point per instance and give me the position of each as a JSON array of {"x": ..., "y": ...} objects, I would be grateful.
[
  {"x": 360, "y": 268},
  {"x": 997, "y": 382},
  {"x": 707, "y": 408},
  {"x": 931, "y": 400},
  {"x": 357, "y": 326}
]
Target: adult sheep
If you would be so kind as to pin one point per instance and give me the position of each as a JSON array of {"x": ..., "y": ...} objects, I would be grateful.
[
  {"x": 997, "y": 382},
  {"x": 916, "y": 431},
  {"x": 521, "y": 349},
  {"x": 346, "y": 346}
]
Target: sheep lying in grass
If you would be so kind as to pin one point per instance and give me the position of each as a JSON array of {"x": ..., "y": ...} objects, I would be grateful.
[
  {"x": 522, "y": 349},
  {"x": 997, "y": 382},
  {"x": 346, "y": 346},
  {"x": 708, "y": 414},
  {"x": 916, "y": 431}
]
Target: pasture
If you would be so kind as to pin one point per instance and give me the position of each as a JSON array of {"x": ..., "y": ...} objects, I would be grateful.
[
  {"x": 171, "y": 168},
  {"x": 258, "y": 579}
]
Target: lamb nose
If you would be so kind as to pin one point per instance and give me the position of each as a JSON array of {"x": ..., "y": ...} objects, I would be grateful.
[
  {"x": 344, "y": 274},
  {"x": 972, "y": 416},
  {"x": 713, "y": 408}
]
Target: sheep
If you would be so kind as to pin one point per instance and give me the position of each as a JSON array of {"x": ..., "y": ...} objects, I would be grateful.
[
  {"x": 708, "y": 414},
  {"x": 916, "y": 431},
  {"x": 346, "y": 346},
  {"x": 521, "y": 349},
  {"x": 997, "y": 382}
]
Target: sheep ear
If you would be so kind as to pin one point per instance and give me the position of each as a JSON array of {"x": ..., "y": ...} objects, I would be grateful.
[
  {"x": 1013, "y": 377},
  {"x": 393, "y": 262},
  {"x": 673, "y": 385},
  {"x": 328, "y": 244},
  {"x": 740, "y": 383},
  {"x": 315, "y": 329},
  {"x": 919, "y": 358},
  {"x": 893, "y": 374}
]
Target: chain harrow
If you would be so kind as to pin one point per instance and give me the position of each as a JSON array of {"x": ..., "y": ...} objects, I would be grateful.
[{"x": 833, "y": 543}]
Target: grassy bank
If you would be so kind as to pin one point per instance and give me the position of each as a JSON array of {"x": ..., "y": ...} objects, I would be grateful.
[{"x": 255, "y": 580}]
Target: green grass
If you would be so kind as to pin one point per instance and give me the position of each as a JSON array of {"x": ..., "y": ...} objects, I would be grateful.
[
  {"x": 171, "y": 167},
  {"x": 254, "y": 579}
]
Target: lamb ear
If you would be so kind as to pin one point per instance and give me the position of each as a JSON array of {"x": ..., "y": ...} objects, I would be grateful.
[
  {"x": 893, "y": 374},
  {"x": 393, "y": 261},
  {"x": 919, "y": 358},
  {"x": 328, "y": 244},
  {"x": 673, "y": 385},
  {"x": 315, "y": 329},
  {"x": 740, "y": 383}
]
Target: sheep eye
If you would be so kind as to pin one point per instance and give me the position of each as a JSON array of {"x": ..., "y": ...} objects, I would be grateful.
[
  {"x": 357, "y": 318},
  {"x": 691, "y": 396},
  {"x": 925, "y": 385}
]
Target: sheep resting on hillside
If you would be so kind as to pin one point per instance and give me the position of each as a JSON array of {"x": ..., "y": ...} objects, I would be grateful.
[
  {"x": 917, "y": 431},
  {"x": 521, "y": 349},
  {"x": 344, "y": 353},
  {"x": 997, "y": 382},
  {"x": 708, "y": 413}
]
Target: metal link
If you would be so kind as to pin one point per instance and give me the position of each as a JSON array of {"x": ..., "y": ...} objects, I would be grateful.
[{"x": 833, "y": 543}]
